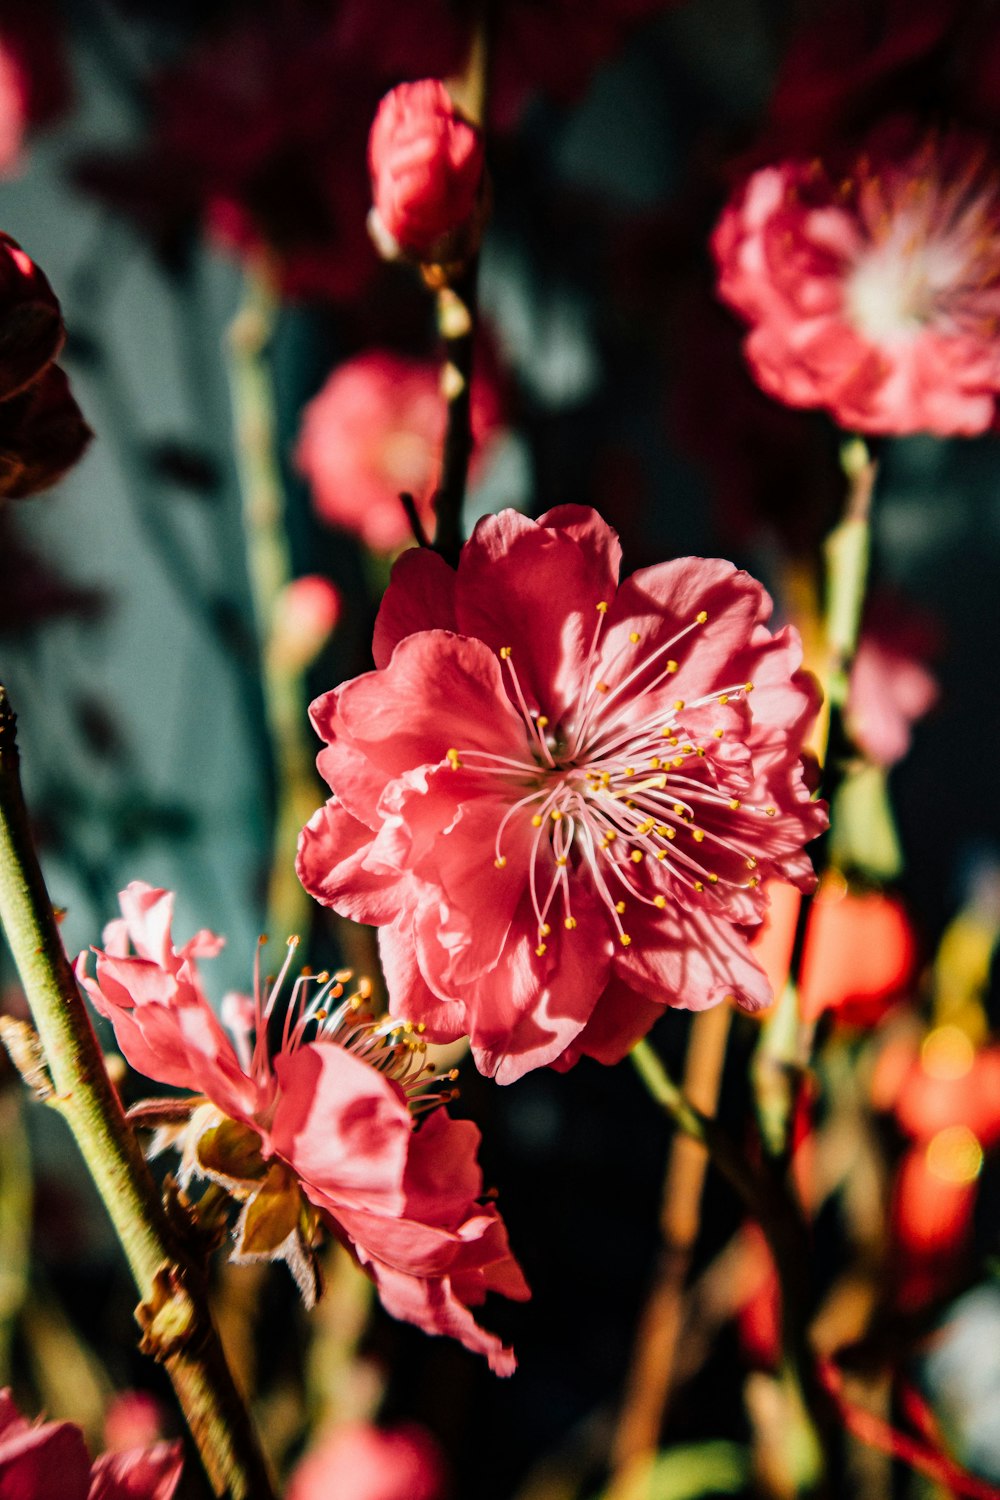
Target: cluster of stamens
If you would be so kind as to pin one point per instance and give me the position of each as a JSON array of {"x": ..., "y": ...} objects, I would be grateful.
[
  {"x": 329, "y": 1008},
  {"x": 613, "y": 793}
]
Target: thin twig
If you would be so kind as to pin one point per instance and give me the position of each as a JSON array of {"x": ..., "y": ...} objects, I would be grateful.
[{"x": 174, "y": 1310}]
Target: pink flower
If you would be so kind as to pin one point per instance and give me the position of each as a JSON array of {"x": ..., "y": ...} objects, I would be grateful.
[
  {"x": 891, "y": 687},
  {"x": 873, "y": 290},
  {"x": 426, "y": 165},
  {"x": 374, "y": 430},
  {"x": 306, "y": 613},
  {"x": 358, "y": 1461},
  {"x": 323, "y": 1129},
  {"x": 558, "y": 798},
  {"x": 34, "y": 81},
  {"x": 49, "y": 1461}
]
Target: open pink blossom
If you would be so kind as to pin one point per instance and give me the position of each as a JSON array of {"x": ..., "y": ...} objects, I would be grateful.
[
  {"x": 358, "y": 1461},
  {"x": 557, "y": 797},
  {"x": 872, "y": 285},
  {"x": 426, "y": 165},
  {"x": 49, "y": 1461},
  {"x": 322, "y": 1127},
  {"x": 376, "y": 429}
]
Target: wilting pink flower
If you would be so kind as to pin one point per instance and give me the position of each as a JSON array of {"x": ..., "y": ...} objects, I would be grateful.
[
  {"x": 359, "y": 1461},
  {"x": 323, "y": 1127},
  {"x": 558, "y": 797},
  {"x": 872, "y": 288},
  {"x": 49, "y": 1461},
  {"x": 374, "y": 430},
  {"x": 426, "y": 165}
]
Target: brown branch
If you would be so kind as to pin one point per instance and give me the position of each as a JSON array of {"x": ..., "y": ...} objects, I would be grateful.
[{"x": 178, "y": 1326}]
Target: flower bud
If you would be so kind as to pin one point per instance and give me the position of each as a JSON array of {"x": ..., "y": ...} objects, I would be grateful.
[
  {"x": 31, "y": 330},
  {"x": 426, "y": 165},
  {"x": 305, "y": 616}
]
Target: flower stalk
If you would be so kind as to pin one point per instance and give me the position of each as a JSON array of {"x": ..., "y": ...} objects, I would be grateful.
[
  {"x": 767, "y": 1198},
  {"x": 174, "y": 1309},
  {"x": 270, "y": 571}
]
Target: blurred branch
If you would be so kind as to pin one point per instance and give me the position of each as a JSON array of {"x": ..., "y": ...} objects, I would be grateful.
[
  {"x": 178, "y": 1325},
  {"x": 270, "y": 569}
]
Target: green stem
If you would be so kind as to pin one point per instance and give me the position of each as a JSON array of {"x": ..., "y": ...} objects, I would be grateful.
[
  {"x": 769, "y": 1201},
  {"x": 270, "y": 571},
  {"x": 179, "y": 1330}
]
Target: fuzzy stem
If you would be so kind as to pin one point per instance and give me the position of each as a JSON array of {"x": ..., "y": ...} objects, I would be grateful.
[
  {"x": 179, "y": 1329},
  {"x": 270, "y": 571},
  {"x": 769, "y": 1201}
]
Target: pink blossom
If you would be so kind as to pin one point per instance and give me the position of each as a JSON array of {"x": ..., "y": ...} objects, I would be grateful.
[
  {"x": 374, "y": 430},
  {"x": 891, "y": 687},
  {"x": 324, "y": 1128},
  {"x": 358, "y": 1461},
  {"x": 557, "y": 797},
  {"x": 426, "y": 165},
  {"x": 871, "y": 287},
  {"x": 49, "y": 1461}
]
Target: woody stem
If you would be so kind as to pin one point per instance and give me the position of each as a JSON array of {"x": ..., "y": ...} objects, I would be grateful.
[{"x": 171, "y": 1284}]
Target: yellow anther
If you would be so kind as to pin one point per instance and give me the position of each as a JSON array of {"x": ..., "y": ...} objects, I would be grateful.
[
  {"x": 637, "y": 856},
  {"x": 753, "y": 882},
  {"x": 633, "y": 636},
  {"x": 734, "y": 804},
  {"x": 560, "y": 860},
  {"x": 451, "y": 756},
  {"x": 677, "y": 762},
  {"x": 569, "y": 923},
  {"x": 541, "y": 721},
  {"x": 674, "y": 740},
  {"x": 544, "y": 930},
  {"x": 702, "y": 616},
  {"x": 540, "y": 950},
  {"x": 293, "y": 941},
  {"x": 624, "y": 939},
  {"x": 602, "y": 608},
  {"x": 365, "y": 988},
  {"x": 698, "y": 834},
  {"x": 610, "y": 836},
  {"x": 718, "y": 733},
  {"x": 661, "y": 853},
  {"x": 500, "y": 861},
  {"x": 679, "y": 809},
  {"x": 504, "y": 653},
  {"x": 698, "y": 886},
  {"x": 537, "y": 820},
  {"x": 700, "y": 750},
  {"x": 556, "y": 815},
  {"x": 713, "y": 880},
  {"x": 671, "y": 666},
  {"x": 770, "y": 811},
  {"x": 660, "y": 901},
  {"x": 619, "y": 907},
  {"x": 723, "y": 697},
  {"x": 748, "y": 687},
  {"x": 601, "y": 687},
  {"x": 629, "y": 771},
  {"x": 655, "y": 763},
  {"x": 605, "y": 778},
  {"x": 421, "y": 1028},
  {"x": 646, "y": 827},
  {"x": 678, "y": 704}
]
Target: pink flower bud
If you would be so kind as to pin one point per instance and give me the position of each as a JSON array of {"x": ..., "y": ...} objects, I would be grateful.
[
  {"x": 305, "y": 616},
  {"x": 426, "y": 164}
]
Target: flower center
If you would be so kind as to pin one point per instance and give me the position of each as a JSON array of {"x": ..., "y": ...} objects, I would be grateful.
[{"x": 635, "y": 795}]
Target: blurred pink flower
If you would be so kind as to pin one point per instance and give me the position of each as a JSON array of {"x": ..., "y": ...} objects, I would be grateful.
[
  {"x": 306, "y": 613},
  {"x": 426, "y": 166},
  {"x": 872, "y": 286},
  {"x": 891, "y": 687},
  {"x": 557, "y": 797},
  {"x": 376, "y": 429},
  {"x": 34, "y": 81},
  {"x": 324, "y": 1127},
  {"x": 359, "y": 1461},
  {"x": 49, "y": 1461}
]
